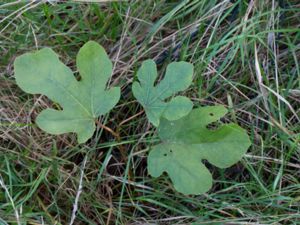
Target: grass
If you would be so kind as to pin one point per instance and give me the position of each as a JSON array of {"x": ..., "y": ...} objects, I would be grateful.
[{"x": 246, "y": 55}]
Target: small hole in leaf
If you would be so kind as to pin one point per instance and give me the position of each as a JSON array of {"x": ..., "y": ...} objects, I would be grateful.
[
  {"x": 171, "y": 150},
  {"x": 77, "y": 76},
  {"x": 213, "y": 126},
  {"x": 56, "y": 106},
  {"x": 165, "y": 154},
  {"x": 211, "y": 114}
]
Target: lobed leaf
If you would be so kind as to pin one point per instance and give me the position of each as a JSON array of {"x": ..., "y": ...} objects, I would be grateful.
[
  {"x": 178, "y": 77},
  {"x": 82, "y": 101},
  {"x": 188, "y": 141}
]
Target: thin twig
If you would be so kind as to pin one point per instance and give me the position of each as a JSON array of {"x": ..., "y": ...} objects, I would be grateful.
[
  {"x": 11, "y": 200},
  {"x": 130, "y": 118},
  {"x": 115, "y": 134},
  {"x": 75, "y": 206}
]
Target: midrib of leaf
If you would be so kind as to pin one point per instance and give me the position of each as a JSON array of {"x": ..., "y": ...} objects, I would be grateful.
[
  {"x": 157, "y": 96},
  {"x": 92, "y": 93},
  {"x": 148, "y": 88},
  {"x": 176, "y": 138},
  {"x": 70, "y": 94},
  {"x": 187, "y": 142},
  {"x": 74, "y": 119}
]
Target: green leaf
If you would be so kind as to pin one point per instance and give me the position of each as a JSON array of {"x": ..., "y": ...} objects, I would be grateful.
[
  {"x": 82, "y": 101},
  {"x": 178, "y": 77},
  {"x": 188, "y": 141}
]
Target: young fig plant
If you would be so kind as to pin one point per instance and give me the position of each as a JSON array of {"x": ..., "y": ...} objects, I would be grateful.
[
  {"x": 42, "y": 72},
  {"x": 178, "y": 77},
  {"x": 188, "y": 141}
]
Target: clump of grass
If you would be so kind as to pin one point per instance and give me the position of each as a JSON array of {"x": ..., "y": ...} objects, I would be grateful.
[{"x": 246, "y": 56}]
